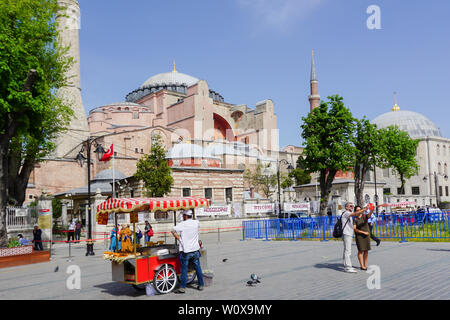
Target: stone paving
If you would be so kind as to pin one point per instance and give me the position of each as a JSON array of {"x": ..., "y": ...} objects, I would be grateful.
[{"x": 289, "y": 270}]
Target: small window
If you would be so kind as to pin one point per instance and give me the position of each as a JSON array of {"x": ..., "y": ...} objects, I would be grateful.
[
  {"x": 136, "y": 150},
  {"x": 387, "y": 191},
  {"x": 415, "y": 190},
  {"x": 208, "y": 193},
  {"x": 440, "y": 191},
  {"x": 186, "y": 192},
  {"x": 446, "y": 191},
  {"x": 30, "y": 196},
  {"x": 135, "y": 115},
  {"x": 142, "y": 151},
  {"x": 229, "y": 194},
  {"x": 401, "y": 190}
]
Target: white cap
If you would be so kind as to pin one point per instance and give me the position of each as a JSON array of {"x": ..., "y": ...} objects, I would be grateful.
[{"x": 188, "y": 212}]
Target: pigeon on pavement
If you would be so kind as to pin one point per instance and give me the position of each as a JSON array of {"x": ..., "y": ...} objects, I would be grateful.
[{"x": 57, "y": 268}]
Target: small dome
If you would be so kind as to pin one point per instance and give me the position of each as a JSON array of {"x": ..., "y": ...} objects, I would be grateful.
[
  {"x": 186, "y": 150},
  {"x": 108, "y": 175},
  {"x": 170, "y": 78},
  {"x": 412, "y": 122}
]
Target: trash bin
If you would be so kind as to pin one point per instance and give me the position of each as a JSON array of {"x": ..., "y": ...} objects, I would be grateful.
[{"x": 208, "y": 278}]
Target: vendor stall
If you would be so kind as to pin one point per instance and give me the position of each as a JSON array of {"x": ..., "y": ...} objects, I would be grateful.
[{"x": 154, "y": 262}]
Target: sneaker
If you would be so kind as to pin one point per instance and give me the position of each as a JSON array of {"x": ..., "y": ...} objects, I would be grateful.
[
  {"x": 378, "y": 242},
  {"x": 200, "y": 288},
  {"x": 180, "y": 290},
  {"x": 351, "y": 270}
]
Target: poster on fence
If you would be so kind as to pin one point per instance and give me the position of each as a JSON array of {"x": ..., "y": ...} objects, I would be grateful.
[
  {"x": 214, "y": 211},
  {"x": 258, "y": 208},
  {"x": 293, "y": 207}
]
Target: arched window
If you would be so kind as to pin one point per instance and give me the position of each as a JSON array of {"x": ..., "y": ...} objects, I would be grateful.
[
  {"x": 444, "y": 150},
  {"x": 438, "y": 150},
  {"x": 439, "y": 168}
]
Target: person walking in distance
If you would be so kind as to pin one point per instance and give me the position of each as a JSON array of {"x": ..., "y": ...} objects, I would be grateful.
[
  {"x": 347, "y": 228},
  {"x": 37, "y": 238},
  {"x": 71, "y": 231},
  {"x": 187, "y": 234},
  {"x": 78, "y": 227}
]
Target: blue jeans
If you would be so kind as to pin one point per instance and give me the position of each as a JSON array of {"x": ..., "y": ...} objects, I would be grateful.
[{"x": 184, "y": 259}]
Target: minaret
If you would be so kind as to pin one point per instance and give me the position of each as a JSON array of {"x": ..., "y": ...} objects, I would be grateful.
[
  {"x": 314, "y": 98},
  {"x": 68, "y": 20}
]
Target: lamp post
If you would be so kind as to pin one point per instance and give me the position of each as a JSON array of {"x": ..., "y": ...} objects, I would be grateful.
[
  {"x": 80, "y": 158},
  {"x": 376, "y": 194},
  {"x": 290, "y": 168}
]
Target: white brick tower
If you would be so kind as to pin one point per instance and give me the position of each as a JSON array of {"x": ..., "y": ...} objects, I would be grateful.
[{"x": 69, "y": 24}]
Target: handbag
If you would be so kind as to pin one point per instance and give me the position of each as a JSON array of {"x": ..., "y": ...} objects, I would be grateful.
[
  {"x": 338, "y": 230},
  {"x": 150, "y": 233}
]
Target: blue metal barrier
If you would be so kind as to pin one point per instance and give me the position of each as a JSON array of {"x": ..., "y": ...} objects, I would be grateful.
[{"x": 400, "y": 227}]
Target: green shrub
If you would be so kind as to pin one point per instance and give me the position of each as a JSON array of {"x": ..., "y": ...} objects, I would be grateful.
[{"x": 13, "y": 242}]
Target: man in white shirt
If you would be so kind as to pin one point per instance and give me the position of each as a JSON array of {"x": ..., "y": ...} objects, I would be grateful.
[
  {"x": 71, "y": 231},
  {"x": 187, "y": 234},
  {"x": 347, "y": 225}
]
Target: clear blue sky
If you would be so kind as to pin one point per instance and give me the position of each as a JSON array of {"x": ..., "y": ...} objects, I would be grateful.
[{"x": 251, "y": 50}]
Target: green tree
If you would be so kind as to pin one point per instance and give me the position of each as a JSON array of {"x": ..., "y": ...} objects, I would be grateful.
[
  {"x": 300, "y": 176},
  {"x": 153, "y": 169},
  {"x": 32, "y": 67},
  {"x": 327, "y": 132},
  {"x": 399, "y": 152},
  {"x": 263, "y": 182},
  {"x": 367, "y": 142}
]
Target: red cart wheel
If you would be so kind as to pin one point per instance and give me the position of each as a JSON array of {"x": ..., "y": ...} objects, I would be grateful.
[{"x": 165, "y": 279}]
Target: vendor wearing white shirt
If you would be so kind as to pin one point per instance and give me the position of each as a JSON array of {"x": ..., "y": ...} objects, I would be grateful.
[{"x": 187, "y": 234}]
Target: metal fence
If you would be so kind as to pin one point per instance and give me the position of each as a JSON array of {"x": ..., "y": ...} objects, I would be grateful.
[
  {"x": 400, "y": 227},
  {"x": 18, "y": 218}
]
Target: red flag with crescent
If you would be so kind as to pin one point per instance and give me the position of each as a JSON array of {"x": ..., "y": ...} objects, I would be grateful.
[{"x": 108, "y": 154}]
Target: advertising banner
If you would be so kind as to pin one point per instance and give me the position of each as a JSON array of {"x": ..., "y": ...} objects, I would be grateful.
[
  {"x": 214, "y": 211},
  {"x": 251, "y": 208},
  {"x": 294, "y": 207}
]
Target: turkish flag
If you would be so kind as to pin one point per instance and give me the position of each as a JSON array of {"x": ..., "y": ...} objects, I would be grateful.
[{"x": 108, "y": 154}]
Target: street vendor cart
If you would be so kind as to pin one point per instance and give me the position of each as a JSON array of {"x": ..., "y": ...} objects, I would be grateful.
[{"x": 156, "y": 263}]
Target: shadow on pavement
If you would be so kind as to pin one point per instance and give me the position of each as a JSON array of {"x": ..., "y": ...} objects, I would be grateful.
[
  {"x": 120, "y": 289},
  {"x": 334, "y": 266},
  {"x": 440, "y": 250}
]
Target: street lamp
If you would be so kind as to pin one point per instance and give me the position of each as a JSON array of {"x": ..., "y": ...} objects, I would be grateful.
[
  {"x": 80, "y": 158},
  {"x": 290, "y": 168}
]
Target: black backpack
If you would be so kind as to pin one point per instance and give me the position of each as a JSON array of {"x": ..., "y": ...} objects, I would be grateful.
[{"x": 338, "y": 230}]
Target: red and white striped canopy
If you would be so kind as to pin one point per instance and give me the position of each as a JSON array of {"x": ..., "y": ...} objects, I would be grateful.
[{"x": 134, "y": 205}]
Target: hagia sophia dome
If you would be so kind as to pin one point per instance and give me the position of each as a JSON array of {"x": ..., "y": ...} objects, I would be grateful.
[
  {"x": 416, "y": 124},
  {"x": 172, "y": 81}
]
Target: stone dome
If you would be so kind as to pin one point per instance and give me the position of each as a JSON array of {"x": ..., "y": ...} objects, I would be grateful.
[
  {"x": 416, "y": 124},
  {"x": 170, "y": 78}
]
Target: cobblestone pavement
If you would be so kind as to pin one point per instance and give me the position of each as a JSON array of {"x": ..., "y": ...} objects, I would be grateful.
[{"x": 289, "y": 270}]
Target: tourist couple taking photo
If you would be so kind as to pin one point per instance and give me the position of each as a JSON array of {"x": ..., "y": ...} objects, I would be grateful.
[{"x": 361, "y": 228}]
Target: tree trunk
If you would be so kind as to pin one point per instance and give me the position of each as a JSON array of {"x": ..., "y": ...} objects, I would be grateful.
[
  {"x": 360, "y": 173},
  {"x": 326, "y": 184}
]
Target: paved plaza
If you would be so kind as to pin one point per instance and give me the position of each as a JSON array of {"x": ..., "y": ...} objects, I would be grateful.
[{"x": 289, "y": 270}]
